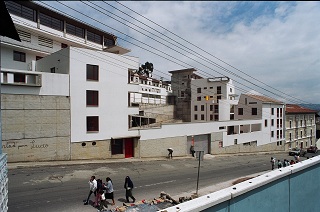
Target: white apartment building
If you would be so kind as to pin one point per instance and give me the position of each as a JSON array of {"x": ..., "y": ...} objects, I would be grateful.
[
  {"x": 54, "y": 88},
  {"x": 266, "y": 109},
  {"x": 300, "y": 126}
]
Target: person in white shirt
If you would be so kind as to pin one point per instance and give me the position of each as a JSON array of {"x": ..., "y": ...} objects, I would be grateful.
[
  {"x": 109, "y": 190},
  {"x": 93, "y": 188}
]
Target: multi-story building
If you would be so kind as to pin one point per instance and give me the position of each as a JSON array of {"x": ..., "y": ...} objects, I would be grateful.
[
  {"x": 300, "y": 126},
  {"x": 197, "y": 98},
  {"x": 63, "y": 88},
  {"x": 270, "y": 111}
]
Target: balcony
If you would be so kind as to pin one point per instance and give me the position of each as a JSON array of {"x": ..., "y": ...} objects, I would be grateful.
[{"x": 20, "y": 78}]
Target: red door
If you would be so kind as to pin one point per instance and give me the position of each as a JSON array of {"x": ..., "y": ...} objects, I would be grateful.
[{"x": 128, "y": 143}]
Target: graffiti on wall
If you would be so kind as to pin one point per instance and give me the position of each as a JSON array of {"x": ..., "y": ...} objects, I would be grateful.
[{"x": 33, "y": 145}]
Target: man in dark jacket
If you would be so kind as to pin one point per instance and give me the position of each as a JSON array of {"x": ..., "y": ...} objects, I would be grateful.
[{"x": 128, "y": 185}]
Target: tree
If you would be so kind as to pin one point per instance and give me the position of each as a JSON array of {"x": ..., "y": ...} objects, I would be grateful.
[{"x": 146, "y": 69}]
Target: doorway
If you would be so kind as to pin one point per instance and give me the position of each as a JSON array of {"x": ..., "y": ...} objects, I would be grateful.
[{"x": 128, "y": 145}]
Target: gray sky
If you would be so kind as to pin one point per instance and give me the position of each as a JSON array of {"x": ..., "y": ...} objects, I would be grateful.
[{"x": 272, "y": 47}]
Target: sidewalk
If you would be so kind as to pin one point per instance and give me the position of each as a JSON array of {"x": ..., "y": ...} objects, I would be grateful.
[{"x": 15, "y": 165}]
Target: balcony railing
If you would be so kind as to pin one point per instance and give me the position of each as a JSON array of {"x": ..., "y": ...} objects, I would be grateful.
[{"x": 20, "y": 78}]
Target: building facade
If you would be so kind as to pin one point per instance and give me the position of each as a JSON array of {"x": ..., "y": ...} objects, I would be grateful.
[
  {"x": 197, "y": 98},
  {"x": 300, "y": 126}
]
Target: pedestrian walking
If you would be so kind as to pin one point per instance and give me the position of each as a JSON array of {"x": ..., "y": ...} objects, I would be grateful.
[
  {"x": 128, "y": 185},
  {"x": 170, "y": 150},
  {"x": 192, "y": 150},
  {"x": 272, "y": 161},
  {"x": 93, "y": 188},
  {"x": 109, "y": 190},
  {"x": 279, "y": 164}
]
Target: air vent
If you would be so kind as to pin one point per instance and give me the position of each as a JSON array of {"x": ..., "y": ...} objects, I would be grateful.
[
  {"x": 43, "y": 41},
  {"x": 24, "y": 36}
]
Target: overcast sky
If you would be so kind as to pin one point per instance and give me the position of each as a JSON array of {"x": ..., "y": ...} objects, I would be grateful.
[{"x": 269, "y": 47}]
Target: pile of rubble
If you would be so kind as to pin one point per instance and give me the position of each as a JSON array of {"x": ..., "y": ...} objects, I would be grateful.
[{"x": 157, "y": 204}]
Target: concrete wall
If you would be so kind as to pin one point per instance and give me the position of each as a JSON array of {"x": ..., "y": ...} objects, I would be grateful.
[
  {"x": 35, "y": 128},
  {"x": 294, "y": 188},
  {"x": 151, "y": 148}
]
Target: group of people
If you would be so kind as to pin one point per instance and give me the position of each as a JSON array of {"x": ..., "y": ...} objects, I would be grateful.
[
  {"x": 104, "y": 191},
  {"x": 283, "y": 163}
]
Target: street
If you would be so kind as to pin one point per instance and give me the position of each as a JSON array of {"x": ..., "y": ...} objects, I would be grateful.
[{"x": 63, "y": 188}]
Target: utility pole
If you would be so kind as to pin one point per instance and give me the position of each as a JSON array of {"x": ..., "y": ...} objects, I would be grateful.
[{"x": 198, "y": 172}]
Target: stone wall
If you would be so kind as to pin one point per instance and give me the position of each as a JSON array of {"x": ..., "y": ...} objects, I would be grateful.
[{"x": 35, "y": 128}]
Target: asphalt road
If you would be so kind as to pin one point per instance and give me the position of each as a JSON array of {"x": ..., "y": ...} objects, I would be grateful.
[{"x": 63, "y": 188}]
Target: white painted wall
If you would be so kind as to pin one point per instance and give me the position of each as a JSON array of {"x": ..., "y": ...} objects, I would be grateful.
[
  {"x": 188, "y": 129},
  {"x": 113, "y": 87}
]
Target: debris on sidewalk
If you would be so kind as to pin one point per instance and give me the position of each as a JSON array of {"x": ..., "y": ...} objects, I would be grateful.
[{"x": 162, "y": 202}]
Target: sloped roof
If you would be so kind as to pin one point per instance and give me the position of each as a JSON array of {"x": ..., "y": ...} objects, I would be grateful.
[
  {"x": 291, "y": 108},
  {"x": 264, "y": 99}
]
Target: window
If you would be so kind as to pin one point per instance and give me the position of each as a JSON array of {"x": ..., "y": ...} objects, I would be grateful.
[
  {"x": 198, "y": 90},
  {"x": 230, "y": 90},
  {"x": 51, "y": 22},
  {"x": 265, "y": 122},
  {"x": 92, "y": 98},
  {"x": 53, "y": 70},
  {"x": 202, "y": 107},
  {"x": 220, "y": 144},
  {"x": 211, "y": 107},
  {"x": 277, "y": 134},
  {"x": 199, "y": 98},
  {"x": 182, "y": 94},
  {"x": 240, "y": 111},
  {"x": 19, "y": 56},
  {"x": 92, "y": 123},
  {"x": 211, "y": 117},
  {"x": 19, "y": 78},
  {"x": 195, "y": 117},
  {"x": 205, "y": 88},
  {"x": 74, "y": 30},
  {"x": 108, "y": 42},
  {"x": 216, "y": 117},
  {"x": 22, "y": 11},
  {"x": 290, "y": 124},
  {"x": 254, "y": 111},
  {"x": 218, "y": 89},
  {"x": 235, "y": 141},
  {"x": 92, "y": 72},
  {"x": 116, "y": 146},
  {"x": 272, "y": 134},
  {"x": 280, "y": 123},
  {"x": 202, "y": 117},
  {"x": 272, "y": 111},
  {"x": 218, "y": 97},
  {"x": 272, "y": 122},
  {"x": 277, "y": 112},
  {"x": 216, "y": 108},
  {"x": 94, "y": 37},
  {"x": 290, "y": 136},
  {"x": 196, "y": 108}
]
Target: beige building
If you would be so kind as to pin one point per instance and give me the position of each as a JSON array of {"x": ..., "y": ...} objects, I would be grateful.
[{"x": 300, "y": 126}]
